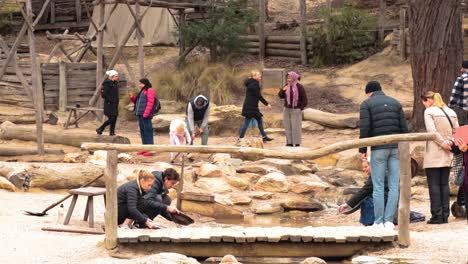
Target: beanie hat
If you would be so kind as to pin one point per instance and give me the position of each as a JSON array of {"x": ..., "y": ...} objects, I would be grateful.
[
  {"x": 465, "y": 64},
  {"x": 146, "y": 82},
  {"x": 112, "y": 73},
  {"x": 373, "y": 86}
]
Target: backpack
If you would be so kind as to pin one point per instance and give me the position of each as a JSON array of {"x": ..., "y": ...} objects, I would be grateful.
[{"x": 156, "y": 106}]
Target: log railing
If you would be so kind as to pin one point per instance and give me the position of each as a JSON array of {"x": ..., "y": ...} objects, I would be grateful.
[{"x": 405, "y": 170}]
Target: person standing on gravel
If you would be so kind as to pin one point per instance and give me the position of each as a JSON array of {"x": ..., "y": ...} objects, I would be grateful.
[
  {"x": 381, "y": 115},
  {"x": 110, "y": 94},
  {"x": 295, "y": 100},
  {"x": 198, "y": 113}
]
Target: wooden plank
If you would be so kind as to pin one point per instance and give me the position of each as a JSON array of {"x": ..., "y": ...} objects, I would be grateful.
[
  {"x": 250, "y": 234},
  {"x": 185, "y": 234},
  {"x": 228, "y": 235},
  {"x": 174, "y": 235},
  {"x": 405, "y": 195},
  {"x": 155, "y": 236},
  {"x": 403, "y": 35},
  {"x": 63, "y": 102},
  {"x": 216, "y": 234},
  {"x": 194, "y": 196},
  {"x": 308, "y": 234},
  {"x": 201, "y": 234},
  {"x": 295, "y": 234},
  {"x": 261, "y": 29},
  {"x": 111, "y": 200},
  {"x": 274, "y": 234},
  {"x": 239, "y": 235},
  {"x": 165, "y": 236}
]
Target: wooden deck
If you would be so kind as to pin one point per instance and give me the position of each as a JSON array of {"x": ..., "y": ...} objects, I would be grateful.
[{"x": 340, "y": 241}]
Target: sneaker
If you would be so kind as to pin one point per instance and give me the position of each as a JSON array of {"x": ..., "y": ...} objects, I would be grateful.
[
  {"x": 99, "y": 131},
  {"x": 266, "y": 139},
  {"x": 380, "y": 225},
  {"x": 289, "y": 145},
  {"x": 389, "y": 225}
]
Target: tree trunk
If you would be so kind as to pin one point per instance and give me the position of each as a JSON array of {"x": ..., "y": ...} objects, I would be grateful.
[
  {"x": 19, "y": 151},
  {"x": 71, "y": 138},
  {"x": 332, "y": 120},
  {"x": 436, "y": 53}
]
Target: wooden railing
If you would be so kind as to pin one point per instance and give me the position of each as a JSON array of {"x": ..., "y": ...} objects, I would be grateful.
[{"x": 405, "y": 170}]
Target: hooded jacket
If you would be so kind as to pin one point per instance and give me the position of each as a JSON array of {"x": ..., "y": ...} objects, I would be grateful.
[
  {"x": 252, "y": 96},
  {"x": 111, "y": 97},
  {"x": 157, "y": 189},
  {"x": 130, "y": 203},
  {"x": 198, "y": 113}
]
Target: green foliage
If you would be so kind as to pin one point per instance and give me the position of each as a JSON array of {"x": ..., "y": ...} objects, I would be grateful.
[
  {"x": 221, "y": 82},
  {"x": 345, "y": 36},
  {"x": 226, "y": 21}
]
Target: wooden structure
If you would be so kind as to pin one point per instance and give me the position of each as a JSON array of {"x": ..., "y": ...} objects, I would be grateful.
[
  {"x": 82, "y": 112},
  {"x": 61, "y": 14},
  {"x": 89, "y": 192},
  {"x": 278, "y": 241},
  {"x": 111, "y": 172}
]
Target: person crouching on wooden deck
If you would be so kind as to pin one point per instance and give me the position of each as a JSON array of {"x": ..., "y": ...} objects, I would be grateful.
[
  {"x": 178, "y": 135},
  {"x": 131, "y": 204},
  {"x": 110, "y": 94},
  {"x": 157, "y": 200}
]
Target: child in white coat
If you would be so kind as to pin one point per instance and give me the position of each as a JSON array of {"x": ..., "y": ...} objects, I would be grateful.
[{"x": 178, "y": 135}]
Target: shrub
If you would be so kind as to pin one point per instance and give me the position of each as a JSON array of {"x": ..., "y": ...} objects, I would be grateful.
[{"x": 345, "y": 37}]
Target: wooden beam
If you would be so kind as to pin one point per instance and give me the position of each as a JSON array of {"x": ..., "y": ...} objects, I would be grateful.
[
  {"x": 78, "y": 10},
  {"x": 52, "y": 11},
  {"x": 180, "y": 185},
  {"x": 101, "y": 27},
  {"x": 13, "y": 49},
  {"x": 155, "y": 3},
  {"x": 303, "y": 10},
  {"x": 403, "y": 33},
  {"x": 136, "y": 18},
  {"x": 25, "y": 16},
  {"x": 88, "y": 13},
  {"x": 111, "y": 200},
  {"x": 181, "y": 23},
  {"x": 261, "y": 29},
  {"x": 405, "y": 195},
  {"x": 62, "y": 86},
  {"x": 41, "y": 13},
  {"x": 140, "y": 35},
  {"x": 261, "y": 153},
  {"x": 100, "y": 49}
]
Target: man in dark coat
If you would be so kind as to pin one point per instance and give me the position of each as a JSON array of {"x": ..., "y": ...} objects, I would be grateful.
[
  {"x": 157, "y": 200},
  {"x": 110, "y": 94},
  {"x": 250, "y": 108},
  {"x": 382, "y": 115}
]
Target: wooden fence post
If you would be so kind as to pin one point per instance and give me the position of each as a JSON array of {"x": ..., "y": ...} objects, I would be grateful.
[
  {"x": 100, "y": 45},
  {"x": 78, "y": 10},
  {"x": 405, "y": 194},
  {"x": 110, "y": 216},
  {"x": 383, "y": 6},
  {"x": 303, "y": 10},
  {"x": 180, "y": 186},
  {"x": 141, "y": 50},
  {"x": 403, "y": 33},
  {"x": 63, "y": 99},
  {"x": 261, "y": 29}
]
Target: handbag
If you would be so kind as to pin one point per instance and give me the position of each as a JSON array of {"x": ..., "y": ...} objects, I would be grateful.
[{"x": 458, "y": 169}]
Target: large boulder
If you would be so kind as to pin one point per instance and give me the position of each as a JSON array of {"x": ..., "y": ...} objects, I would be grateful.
[
  {"x": 229, "y": 259},
  {"x": 218, "y": 117},
  {"x": 254, "y": 168},
  {"x": 6, "y": 185},
  {"x": 252, "y": 178},
  {"x": 213, "y": 185},
  {"x": 75, "y": 157},
  {"x": 170, "y": 258},
  {"x": 171, "y": 107},
  {"x": 329, "y": 160},
  {"x": 370, "y": 260},
  {"x": 209, "y": 170},
  {"x": 266, "y": 208},
  {"x": 261, "y": 195},
  {"x": 353, "y": 162},
  {"x": 310, "y": 187},
  {"x": 301, "y": 205},
  {"x": 418, "y": 155},
  {"x": 309, "y": 126},
  {"x": 313, "y": 260},
  {"x": 273, "y": 182},
  {"x": 161, "y": 122},
  {"x": 240, "y": 199},
  {"x": 238, "y": 182}
]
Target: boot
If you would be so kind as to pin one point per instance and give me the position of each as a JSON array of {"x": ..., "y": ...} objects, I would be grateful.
[
  {"x": 266, "y": 139},
  {"x": 99, "y": 131}
]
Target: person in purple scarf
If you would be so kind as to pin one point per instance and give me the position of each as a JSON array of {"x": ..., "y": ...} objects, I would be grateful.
[{"x": 295, "y": 100}]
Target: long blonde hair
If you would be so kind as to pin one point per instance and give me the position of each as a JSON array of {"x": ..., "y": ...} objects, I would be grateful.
[{"x": 438, "y": 101}]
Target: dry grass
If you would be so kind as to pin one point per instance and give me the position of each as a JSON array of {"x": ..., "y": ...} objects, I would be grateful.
[{"x": 221, "y": 82}]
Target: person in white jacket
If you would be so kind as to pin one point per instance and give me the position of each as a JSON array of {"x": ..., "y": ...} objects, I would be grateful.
[{"x": 178, "y": 135}]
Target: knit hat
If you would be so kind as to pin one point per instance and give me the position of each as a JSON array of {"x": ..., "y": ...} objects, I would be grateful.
[
  {"x": 373, "y": 86},
  {"x": 465, "y": 64},
  {"x": 146, "y": 82},
  {"x": 112, "y": 73}
]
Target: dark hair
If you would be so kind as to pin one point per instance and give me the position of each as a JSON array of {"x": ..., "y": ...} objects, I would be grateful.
[
  {"x": 146, "y": 82},
  {"x": 171, "y": 175}
]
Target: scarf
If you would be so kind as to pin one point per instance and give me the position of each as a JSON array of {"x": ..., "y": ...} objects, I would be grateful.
[{"x": 295, "y": 92}]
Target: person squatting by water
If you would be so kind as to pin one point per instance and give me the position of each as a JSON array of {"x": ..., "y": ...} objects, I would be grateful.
[
  {"x": 250, "y": 108},
  {"x": 144, "y": 103},
  {"x": 110, "y": 94},
  {"x": 141, "y": 200},
  {"x": 178, "y": 135},
  {"x": 381, "y": 115},
  {"x": 198, "y": 113},
  {"x": 295, "y": 100}
]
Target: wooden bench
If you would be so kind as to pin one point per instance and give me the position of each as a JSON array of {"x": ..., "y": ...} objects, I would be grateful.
[
  {"x": 82, "y": 112},
  {"x": 89, "y": 211}
]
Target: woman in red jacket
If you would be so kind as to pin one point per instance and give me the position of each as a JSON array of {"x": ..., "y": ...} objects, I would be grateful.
[{"x": 144, "y": 103}]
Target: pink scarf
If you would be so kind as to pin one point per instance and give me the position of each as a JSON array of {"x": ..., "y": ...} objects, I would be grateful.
[{"x": 294, "y": 76}]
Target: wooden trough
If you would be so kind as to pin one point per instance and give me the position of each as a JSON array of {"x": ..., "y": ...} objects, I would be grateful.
[{"x": 342, "y": 241}]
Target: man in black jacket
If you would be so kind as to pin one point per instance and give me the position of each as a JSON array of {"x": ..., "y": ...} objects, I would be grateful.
[
  {"x": 382, "y": 115},
  {"x": 198, "y": 113},
  {"x": 156, "y": 199}
]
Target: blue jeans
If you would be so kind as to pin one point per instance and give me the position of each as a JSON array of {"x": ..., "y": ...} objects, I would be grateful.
[
  {"x": 381, "y": 161},
  {"x": 146, "y": 130},
  {"x": 367, "y": 211},
  {"x": 246, "y": 125}
]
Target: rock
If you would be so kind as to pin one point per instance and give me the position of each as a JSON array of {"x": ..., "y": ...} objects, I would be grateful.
[
  {"x": 253, "y": 168},
  {"x": 261, "y": 195},
  {"x": 301, "y": 168},
  {"x": 342, "y": 178},
  {"x": 267, "y": 208},
  {"x": 170, "y": 107},
  {"x": 7, "y": 185},
  {"x": 229, "y": 259},
  {"x": 170, "y": 258},
  {"x": 419, "y": 181},
  {"x": 282, "y": 165},
  {"x": 162, "y": 122},
  {"x": 75, "y": 157},
  {"x": 353, "y": 162},
  {"x": 329, "y": 160},
  {"x": 309, "y": 126},
  {"x": 240, "y": 199},
  {"x": 221, "y": 157},
  {"x": 223, "y": 200},
  {"x": 238, "y": 182},
  {"x": 370, "y": 260},
  {"x": 313, "y": 260},
  {"x": 236, "y": 162},
  {"x": 124, "y": 157},
  {"x": 209, "y": 170},
  {"x": 273, "y": 182},
  {"x": 213, "y": 185},
  {"x": 249, "y": 142},
  {"x": 250, "y": 177},
  {"x": 418, "y": 155},
  {"x": 310, "y": 187},
  {"x": 99, "y": 158},
  {"x": 219, "y": 115},
  {"x": 161, "y": 166},
  {"x": 300, "y": 204}
]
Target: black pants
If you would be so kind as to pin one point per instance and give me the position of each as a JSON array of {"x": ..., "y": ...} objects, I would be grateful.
[
  {"x": 439, "y": 192},
  {"x": 153, "y": 212},
  {"x": 111, "y": 120},
  {"x": 466, "y": 204},
  {"x": 460, "y": 196}
]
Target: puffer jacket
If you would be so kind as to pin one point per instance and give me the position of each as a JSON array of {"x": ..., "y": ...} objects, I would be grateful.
[
  {"x": 157, "y": 189},
  {"x": 252, "y": 97},
  {"x": 130, "y": 203},
  {"x": 144, "y": 102},
  {"x": 381, "y": 115}
]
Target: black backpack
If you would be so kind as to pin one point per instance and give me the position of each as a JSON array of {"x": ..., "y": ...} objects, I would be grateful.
[{"x": 156, "y": 106}]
